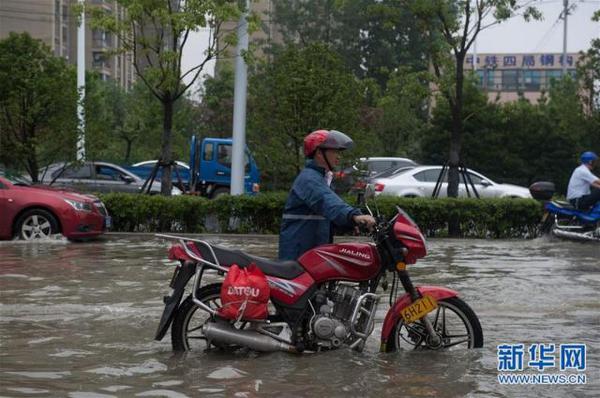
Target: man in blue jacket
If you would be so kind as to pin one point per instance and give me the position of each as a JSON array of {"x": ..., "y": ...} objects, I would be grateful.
[{"x": 312, "y": 206}]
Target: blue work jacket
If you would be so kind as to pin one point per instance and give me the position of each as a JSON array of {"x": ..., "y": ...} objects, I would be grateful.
[{"x": 310, "y": 209}]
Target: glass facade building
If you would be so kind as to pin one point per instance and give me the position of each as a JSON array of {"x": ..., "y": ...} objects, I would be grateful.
[{"x": 508, "y": 77}]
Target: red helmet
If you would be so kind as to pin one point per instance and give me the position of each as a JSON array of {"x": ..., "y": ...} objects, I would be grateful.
[{"x": 326, "y": 139}]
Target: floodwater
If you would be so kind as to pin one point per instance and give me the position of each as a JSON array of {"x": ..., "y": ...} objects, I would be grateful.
[{"x": 78, "y": 320}]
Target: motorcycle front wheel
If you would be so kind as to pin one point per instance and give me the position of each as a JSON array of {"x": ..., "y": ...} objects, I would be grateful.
[
  {"x": 186, "y": 331},
  {"x": 454, "y": 322}
]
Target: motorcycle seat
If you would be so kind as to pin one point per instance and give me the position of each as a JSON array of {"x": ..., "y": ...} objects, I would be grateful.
[
  {"x": 564, "y": 205},
  {"x": 282, "y": 269}
]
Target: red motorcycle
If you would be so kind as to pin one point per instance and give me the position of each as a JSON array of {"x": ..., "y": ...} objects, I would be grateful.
[{"x": 324, "y": 300}]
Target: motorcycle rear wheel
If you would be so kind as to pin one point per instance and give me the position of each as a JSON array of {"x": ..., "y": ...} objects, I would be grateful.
[
  {"x": 547, "y": 225},
  {"x": 453, "y": 320},
  {"x": 186, "y": 331}
]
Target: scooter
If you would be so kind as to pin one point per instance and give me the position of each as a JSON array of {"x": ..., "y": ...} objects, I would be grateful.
[
  {"x": 325, "y": 300},
  {"x": 562, "y": 219}
]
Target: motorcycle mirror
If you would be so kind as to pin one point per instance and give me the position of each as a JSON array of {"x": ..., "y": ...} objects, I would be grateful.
[
  {"x": 369, "y": 191},
  {"x": 370, "y": 195}
]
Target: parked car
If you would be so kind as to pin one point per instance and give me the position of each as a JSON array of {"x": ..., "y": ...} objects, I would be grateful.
[
  {"x": 36, "y": 212},
  {"x": 374, "y": 165},
  {"x": 96, "y": 177},
  {"x": 153, "y": 162},
  {"x": 355, "y": 178},
  {"x": 144, "y": 170},
  {"x": 420, "y": 181}
]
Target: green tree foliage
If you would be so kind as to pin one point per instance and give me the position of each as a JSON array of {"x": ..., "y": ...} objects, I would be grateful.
[
  {"x": 517, "y": 142},
  {"x": 216, "y": 107},
  {"x": 156, "y": 32},
  {"x": 453, "y": 27},
  {"x": 588, "y": 74},
  {"x": 402, "y": 114},
  {"x": 300, "y": 91},
  {"x": 106, "y": 110},
  {"x": 373, "y": 37},
  {"x": 126, "y": 127},
  {"x": 37, "y": 105}
]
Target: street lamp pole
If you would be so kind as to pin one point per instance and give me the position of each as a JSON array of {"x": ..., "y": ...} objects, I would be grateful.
[
  {"x": 81, "y": 85},
  {"x": 564, "y": 55},
  {"x": 239, "y": 107}
]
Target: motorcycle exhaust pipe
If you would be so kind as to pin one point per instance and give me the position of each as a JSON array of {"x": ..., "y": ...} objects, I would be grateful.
[
  {"x": 574, "y": 235},
  {"x": 225, "y": 334}
]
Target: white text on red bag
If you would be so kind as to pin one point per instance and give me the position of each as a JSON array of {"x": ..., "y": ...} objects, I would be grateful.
[{"x": 244, "y": 294}]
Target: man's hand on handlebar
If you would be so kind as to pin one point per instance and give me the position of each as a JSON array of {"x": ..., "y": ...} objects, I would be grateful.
[{"x": 365, "y": 221}]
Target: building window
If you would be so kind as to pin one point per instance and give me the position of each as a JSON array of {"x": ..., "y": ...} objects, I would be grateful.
[
  {"x": 553, "y": 74},
  {"x": 100, "y": 38},
  {"x": 531, "y": 79},
  {"x": 99, "y": 60},
  {"x": 488, "y": 79},
  {"x": 510, "y": 79},
  {"x": 57, "y": 28}
]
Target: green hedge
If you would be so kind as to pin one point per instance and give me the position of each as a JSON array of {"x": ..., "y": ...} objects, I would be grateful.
[{"x": 483, "y": 218}]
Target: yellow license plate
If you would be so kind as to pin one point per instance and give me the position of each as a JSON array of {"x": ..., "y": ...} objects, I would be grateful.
[{"x": 418, "y": 309}]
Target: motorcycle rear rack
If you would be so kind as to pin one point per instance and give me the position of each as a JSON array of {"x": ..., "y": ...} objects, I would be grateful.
[{"x": 199, "y": 270}]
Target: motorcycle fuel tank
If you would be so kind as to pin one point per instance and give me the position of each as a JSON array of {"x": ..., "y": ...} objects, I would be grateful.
[{"x": 344, "y": 261}]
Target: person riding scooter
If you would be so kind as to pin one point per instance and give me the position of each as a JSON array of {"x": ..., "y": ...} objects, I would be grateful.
[
  {"x": 584, "y": 187},
  {"x": 312, "y": 206}
]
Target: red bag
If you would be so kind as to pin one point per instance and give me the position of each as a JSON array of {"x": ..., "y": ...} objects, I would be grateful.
[{"x": 244, "y": 294}]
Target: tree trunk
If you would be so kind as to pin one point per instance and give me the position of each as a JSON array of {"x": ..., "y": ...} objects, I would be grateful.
[
  {"x": 32, "y": 161},
  {"x": 457, "y": 130},
  {"x": 456, "y": 143},
  {"x": 297, "y": 149},
  {"x": 166, "y": 156},
  {"x": 33, "y": 168},
  {"x": 128, "y": 145}
]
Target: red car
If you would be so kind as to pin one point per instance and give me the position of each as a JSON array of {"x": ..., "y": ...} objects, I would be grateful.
[{"x": 36, "y": 212}]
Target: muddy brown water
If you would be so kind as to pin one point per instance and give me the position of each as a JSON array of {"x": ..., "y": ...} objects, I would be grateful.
[{"x": 78, "y": 320}]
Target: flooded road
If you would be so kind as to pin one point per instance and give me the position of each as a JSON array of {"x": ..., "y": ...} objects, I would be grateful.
[{"x": 78, "y": 320}]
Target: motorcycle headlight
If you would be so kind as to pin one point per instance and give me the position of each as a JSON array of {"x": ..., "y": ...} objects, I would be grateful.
[{"x": 79, "y": 206}]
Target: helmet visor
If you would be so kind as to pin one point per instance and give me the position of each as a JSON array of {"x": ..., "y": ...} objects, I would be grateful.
[{"x": 337, "y": 140}]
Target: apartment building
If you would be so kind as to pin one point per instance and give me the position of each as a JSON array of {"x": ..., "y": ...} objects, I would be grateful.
[
  {"x": 259, "y": 40},
  {"x": 53, "y": 22}
]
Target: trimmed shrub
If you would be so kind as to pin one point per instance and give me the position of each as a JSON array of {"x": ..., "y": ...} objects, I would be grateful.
[{"x": 481, "y": 218}]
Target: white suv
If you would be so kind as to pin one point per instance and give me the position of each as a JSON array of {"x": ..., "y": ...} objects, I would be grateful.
[{"x": 376, "y": 165}]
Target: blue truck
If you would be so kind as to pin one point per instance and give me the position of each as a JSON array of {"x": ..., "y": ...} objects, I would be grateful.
[{"x": 209, "y": 170}]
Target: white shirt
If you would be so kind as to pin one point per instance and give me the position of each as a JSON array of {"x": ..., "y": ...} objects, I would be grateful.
[
  {"x": 329, "y": 177},
  {"x": 579, "y": 184}
]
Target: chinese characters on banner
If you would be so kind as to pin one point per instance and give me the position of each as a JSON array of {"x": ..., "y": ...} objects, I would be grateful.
[{"x": 526, "y": 60}]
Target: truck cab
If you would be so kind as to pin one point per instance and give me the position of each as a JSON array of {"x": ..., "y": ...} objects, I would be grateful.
[
  {"x": 211, "y": 159},
  {"x": 209, "y": 171}
]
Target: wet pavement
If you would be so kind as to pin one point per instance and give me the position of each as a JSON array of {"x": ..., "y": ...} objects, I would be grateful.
[{"x": 78, "y": 320}]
